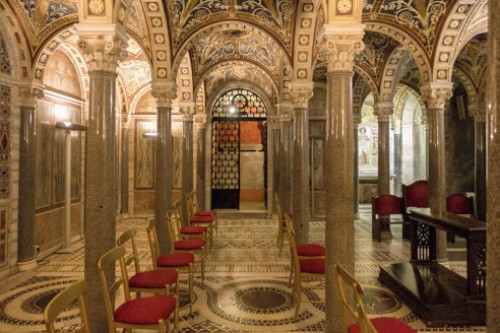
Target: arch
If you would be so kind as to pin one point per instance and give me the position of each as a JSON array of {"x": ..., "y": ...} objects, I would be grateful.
[
  {"x": 416, "y": 49},
  {"x": 468, "y": 83},
  {"x": 185, "y": 91},
  {"x": 389, "y": 78},
  {"x": 369, "y": 81},
  {"x": 360, "y": 90}
]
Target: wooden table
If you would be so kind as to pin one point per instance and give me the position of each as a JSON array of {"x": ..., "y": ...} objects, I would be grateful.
[{"x": 437, "y": 294}]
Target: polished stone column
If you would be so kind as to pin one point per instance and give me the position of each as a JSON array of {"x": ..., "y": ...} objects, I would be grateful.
[
  {"x": 124, "y": 166},
  {"x": 276, "y": 133},
  {"x": 383, "y": 112},
  {"x": 164, "y": 92},
  {"x": 493, "y": 167},
  {"x": 102, "y": 51},
  {"x": 436, "y": 96},
  {"x": 301, "y": 93},
  {"x": 398, "y": 149},
  {"x": 356, "y": 120},
  {"x": 187, "y": 156},
  {"x": 26, "y": 251},
  {"x": 286, "y": 160},
  {"x": 479, "y": 115},
  {"x": 341, "y": 45},
  {"x": 200, "y": 121}
]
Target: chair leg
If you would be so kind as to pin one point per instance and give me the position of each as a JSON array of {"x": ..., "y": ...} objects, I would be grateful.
[
  {"x": 297, "y": 295},
  {"x": 292, "y": 269},
  {"x": 190, "y": 283}
]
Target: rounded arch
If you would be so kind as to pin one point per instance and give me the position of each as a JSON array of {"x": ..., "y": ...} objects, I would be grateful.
[
  {"x": 413, "y": 46},
  {"x": 468, "y": 83},
  {"x": 370, "y": 82},
  {"x": 360, "y": 90},
  {"x": 403, "y": 92},
  {"x": 390, "y": 77},
  {"x": 209, "y": 29},
  {"x": 185, "y": 91}
]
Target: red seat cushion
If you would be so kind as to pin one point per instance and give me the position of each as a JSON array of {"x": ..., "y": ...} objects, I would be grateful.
[
  {"x": 310, "y": 250},
  {"x": 193, "y": 230},
  {"x": 189, "y": 244},
  {"x": 206, "y": 212},
  {"x": 315, "y": 266},
  {"x": 385, "y": 325},
  {"x": 175, "y": 260},
  {"x": 157, "y": 278},
  {"x": 202, "y": 219},
  {"x": 145, "y": 310}
]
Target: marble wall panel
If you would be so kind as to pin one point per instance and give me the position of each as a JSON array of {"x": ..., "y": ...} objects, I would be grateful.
[
  {"x": 49, "y": 229},
  {"x": 144, "y": 202},
  {"x": 144, "y": 156}
]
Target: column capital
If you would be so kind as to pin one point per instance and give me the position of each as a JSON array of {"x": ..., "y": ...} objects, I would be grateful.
[
  {"x": 341, "y": 44},
  {"x": 200, "y": 120},
  {"x": 301, "y": 93},
  {"x": 187, "y": 110},
  {"x": 383, "y": 111},
  {"x": 437, "y": 94},
  {"x": 274, "y": 121},
  {"x": 30, "y": 94},
  {"x": 477, "y": 112},
  {"x": 102, "y": 46},
  {"x": 164, "y": 92},
  {"x": 356, "y": 119},
  {"x": 125, "y": 119}
]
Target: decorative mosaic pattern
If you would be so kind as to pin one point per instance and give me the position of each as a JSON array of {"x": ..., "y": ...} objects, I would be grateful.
[
  {"x": 5, "y": 65},
  {"x": 5, "y": 112}
]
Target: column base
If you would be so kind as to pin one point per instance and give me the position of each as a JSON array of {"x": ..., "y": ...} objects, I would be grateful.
[{"x": 27, "y": 265}]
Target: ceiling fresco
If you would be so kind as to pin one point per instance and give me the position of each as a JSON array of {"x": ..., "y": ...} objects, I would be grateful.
[
  {"x": 473, "y": 58},
  {"x": 374, "y": 56},
  {"x": 275, "y": 16}
]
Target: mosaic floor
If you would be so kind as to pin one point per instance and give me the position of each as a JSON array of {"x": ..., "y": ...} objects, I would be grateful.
[{"x": 245, "y": 286}]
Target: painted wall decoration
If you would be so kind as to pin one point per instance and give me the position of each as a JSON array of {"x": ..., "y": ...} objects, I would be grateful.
[
  {"x": 5, "y": 64},
  {"x": 147, "y": 104},
  {"x": 5, "y": 113},
  {"x": 44, "y": 139},
  {"x": 177, "y": 147},
  {"x": 144, "y": 155},
  {"x": 136, "y": 73},
  {"x": 4, "y": 222},
  {"x": 61, "y": 75}
]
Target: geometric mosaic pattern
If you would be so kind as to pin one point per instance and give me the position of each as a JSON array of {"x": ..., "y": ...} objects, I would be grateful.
[{"x": 246, "y": 282}]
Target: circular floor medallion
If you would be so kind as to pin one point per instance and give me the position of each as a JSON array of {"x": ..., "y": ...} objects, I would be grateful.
[
  {"x": 262, "y": 298},
  {"x": 378, "y": 301}
]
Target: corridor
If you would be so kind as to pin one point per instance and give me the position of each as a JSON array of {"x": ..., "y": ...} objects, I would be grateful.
[{"x": 245, "y": 285}]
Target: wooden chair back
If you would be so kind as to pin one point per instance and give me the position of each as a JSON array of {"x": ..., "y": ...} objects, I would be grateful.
[
  {"x": 415, "y": 195},
  {"x": 173, "y": 227},
  {"x": 154, "y": 245},
  {"x": 74, "y": 292},
  {"x": 127, "y": 240}
]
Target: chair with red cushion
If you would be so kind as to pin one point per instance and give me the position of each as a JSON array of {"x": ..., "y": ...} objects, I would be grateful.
[
  {"x": 459, "y": 204},
  {"x": 383, "y": 206},
  {"x": 63, "y": 300},
  {"x": 191, "y": 245},
  {"x": 355, "y": 318},
  {"x": 181, "y": 262},
  {"x": 190, "y": 231},
  {"x": 152, "y": 312},
  {"x": 156, "y": 281},
  {"x": 414, "y": 195},
  {"x": 195, "y": 216},
  {"x": 305, "y": 270}
]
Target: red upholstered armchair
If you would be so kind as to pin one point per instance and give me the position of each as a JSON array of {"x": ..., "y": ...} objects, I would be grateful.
[
  {"x": 414, "y": 195},
  {"x": 383, "y": 206},
  {"x": 459, "y": 204}
]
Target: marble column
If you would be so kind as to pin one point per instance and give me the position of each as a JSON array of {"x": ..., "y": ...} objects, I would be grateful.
[
  {"x": 356, "y": 120},
  {"x": 286, "y": 160},
  {"x": 493, "y": 167},
  {"x": 341, "y": 47},
  {"x": 26, "y": 247},
  {"x": 187, "y": 156},
  {"x": 398, "y": 149},
  {"x": 301, "y": 93},
  {"x": 101, "y": 52},
  {"x": 383, "y": 112},
  {"x": 124, "y": 166},
  {"x": 436, "y": 95},
  {"x": 275, "y": 127},
  {"x": 200, "y": 121},
  {"x": 164, "y": 92},
  {"x": 479, "y": 114}
]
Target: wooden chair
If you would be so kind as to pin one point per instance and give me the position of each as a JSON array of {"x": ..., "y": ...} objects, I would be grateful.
[
  {"x": 192, "y": 245},
  {"x": 383, "y": 206},
  {"x": 281, "y": 222},
  {"x": 306, "y": 271},
  {"x": 414, "y": 195},
  {"x": 207, "y": 218},
  {"x": 156, "y": 281},
  {"x": 304, "y": 251},
  {"x": 152, "y": 312},
  {"x": 74, "y": 292},
  {"x": 181, "y": 262},
  {"x": 190, "y": 231},
  {"x": 355, "y": 317}
]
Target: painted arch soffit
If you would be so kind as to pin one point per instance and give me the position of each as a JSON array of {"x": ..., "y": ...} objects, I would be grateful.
[
  {"x": 472, "y": 59},
  {"x": 237, "y": 71},
  {"x": 229, "y": 41},
  {"x": 275, "y": 16}
]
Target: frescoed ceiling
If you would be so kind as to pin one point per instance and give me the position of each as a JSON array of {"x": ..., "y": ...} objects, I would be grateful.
[{"x": 473, "y": 58}]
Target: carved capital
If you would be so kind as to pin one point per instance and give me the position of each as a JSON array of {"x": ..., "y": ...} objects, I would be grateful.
[
  {"x": 187, "y": 111},
  {"x": 164, "y": 92},
  {"x": 102, "y": 46},
  {"x": 383, "y": 111},
  {"x": 200, "y": 120},
  {"x": 437, "y": 94},
  {"x": 125, "y": 119},
  {"x": 301, "y": 93},
  {"x": 341, "y": 46},
  {"x": 477, "y": 112},
  {"x": 29, "y": 95}
]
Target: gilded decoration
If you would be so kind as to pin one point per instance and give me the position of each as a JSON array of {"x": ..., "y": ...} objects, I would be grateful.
[
  {"x": 147, "y": 104},
  {"x": 60, "y": 74},
  {"x": 5, "y": 64},
  {"x": 377, "y": 48},
  {"x": 5, "y": 112},
  {"x": 135, "y": 73},
  {"x": 276, "y": 16},
  {"x": 136, "y": 22}
]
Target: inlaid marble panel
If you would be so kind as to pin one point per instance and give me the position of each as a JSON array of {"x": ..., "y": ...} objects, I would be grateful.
[{"x": 144, "y": 156}]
